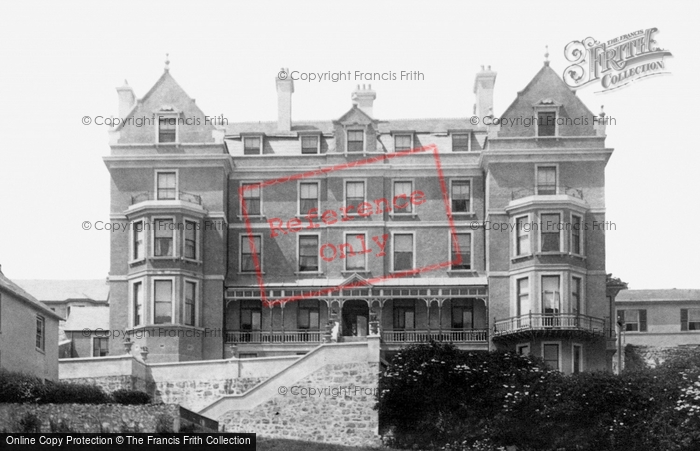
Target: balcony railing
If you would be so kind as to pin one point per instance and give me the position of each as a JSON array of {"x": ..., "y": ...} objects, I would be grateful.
[
  {"x": 274, "y": 337},
  {"x": 525, "y": 192},
  {"x": 423, "y": 336},
  {"x": 182, "y": 195},
  {"x": 550, "y": 322}
]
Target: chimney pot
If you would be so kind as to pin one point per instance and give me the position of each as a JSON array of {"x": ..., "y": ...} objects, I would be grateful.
[
  {"x": 285, "y": 89},
  {"x": 364, "y": 99},
  {"x": 483, "y": 90},
  {"x": 127, "y": 99}
]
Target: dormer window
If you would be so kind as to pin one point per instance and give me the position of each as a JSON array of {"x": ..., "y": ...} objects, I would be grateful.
[
  {"x": 167, "y": 129},
  {"x": 356, "y": 140},
  {"x": 252, "y": 145},
  {"x": 546, "y": 123},
  {"x": 402, "y": 142},
  {"x": 309, "y": 145},
  {"x": 460, "y": 142}
]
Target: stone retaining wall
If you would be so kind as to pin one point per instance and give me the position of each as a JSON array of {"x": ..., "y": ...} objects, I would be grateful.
[
  {"x": 196, "y": 395},
  {"x": 344, "y": 417},
  {"x": 93, "y": 418}
]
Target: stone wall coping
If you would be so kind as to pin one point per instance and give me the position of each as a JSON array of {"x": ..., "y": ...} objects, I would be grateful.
[{"x": 224, "y": 361}]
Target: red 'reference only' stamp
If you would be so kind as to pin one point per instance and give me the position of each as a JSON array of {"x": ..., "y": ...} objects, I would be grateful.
[{"x": 315, "y": 219}]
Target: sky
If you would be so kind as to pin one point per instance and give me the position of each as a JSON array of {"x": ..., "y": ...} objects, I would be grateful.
[{"x": 61, "y": 61}]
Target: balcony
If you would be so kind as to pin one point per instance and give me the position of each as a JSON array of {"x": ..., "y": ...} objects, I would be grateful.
[
  {"x": 182, "y": 196},
  {"x": 565, "y": 325},
  {"x": 424, "y": 336},
  {"x": 563, "y": 190},
  {"x": 273, "y": 337}
]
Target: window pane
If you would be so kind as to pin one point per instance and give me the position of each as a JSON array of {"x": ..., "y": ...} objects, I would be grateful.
[
  {"x": 355, "y": 195},
  {"x": 308, "y": 197},
  {"x": 523, "y": 296},
  {"x": 460, "y": 195},
  {"x": 164, "y": 237},
  {"x": 403, "y": 189},
  {"x": 460, "y": 143},
  {"x": 576, "y": 294},
  {"x": 523, "y": 236},
  {"x": 247, "y": 260},
  {"x": 356, "y": 261},
  {"x": 166, "y": 129},
  {"x": 190, "y": 296},
  {"x": 356, "y": 141},
  {"x": 138, "y": 303},
  {"x": 403, "y": 252},
  {"x": 190, "y": 241},
  {"x": 546, "y": 123},
  {"x": 576, "y": 235},
  {"x": 251, "y": 196},
  {"x": 551, "y": 356},
  {"x": 166, "y": 185},
  {"x": 251, "y": 146},
  {"x": 464, "y": 244},
  {"x": 402, "y": 142},
  {"x": 547, "y": 180},
  {"x": 550, "y": 294},
  {"x": 163, "y": 301},
  {"x": 309, "y": 144},
  {"x": 308, "y": 253},
  {"x": 550, "y": 232}
]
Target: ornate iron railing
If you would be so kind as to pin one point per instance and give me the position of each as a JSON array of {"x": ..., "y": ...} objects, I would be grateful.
[
  {"x": 525, "y": 192},
  {"x": 182, "y": 195},
  {"x": 275, "y": 336},
  {"x": 423, "y": 336},
  {"x": 543, "y": 321}
]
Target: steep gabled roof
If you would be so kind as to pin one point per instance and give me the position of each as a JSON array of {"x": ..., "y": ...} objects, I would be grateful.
[
  {"x": 15, "y": 290},
  {"x": 64, "y": 290},
  {"x": 546, "y": 85},
  {"x": 357, "y": 112}
]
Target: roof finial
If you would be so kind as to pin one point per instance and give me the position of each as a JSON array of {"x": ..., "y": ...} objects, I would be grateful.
[
  {"x": 167, "y": 62},
  {"x": 602, "y": 111},
  {"x": 546, "y": 55}
]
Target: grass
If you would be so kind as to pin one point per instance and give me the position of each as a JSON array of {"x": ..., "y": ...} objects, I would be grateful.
[{"x": 270, "y": 444}]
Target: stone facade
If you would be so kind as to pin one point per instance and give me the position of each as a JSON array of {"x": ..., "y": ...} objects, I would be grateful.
[
  {"x": 347, "y": 418},
  {"x": 92, "y": 418},
  {"x": 197, "y": 394}
]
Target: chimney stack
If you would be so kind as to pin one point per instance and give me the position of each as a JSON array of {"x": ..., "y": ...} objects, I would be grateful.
[
  {"x": 483, "y": 90},
  {"x": 285, "y": 89},
  {"x": 364, "y": 99},
  {"x": 127, "y": 99}
]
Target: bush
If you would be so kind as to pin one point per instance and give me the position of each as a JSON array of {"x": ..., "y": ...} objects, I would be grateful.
[
  {"x": 70, "y": 393},
  {"x": 29, "y": 423},
  {"x": 19, "y": 387},
  {"x": 130, "y": 397},
  {"x": 22, "y": 388}
]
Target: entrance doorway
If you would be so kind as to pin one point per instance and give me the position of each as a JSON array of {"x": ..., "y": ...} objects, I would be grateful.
[{"x": 355, "y": 318}]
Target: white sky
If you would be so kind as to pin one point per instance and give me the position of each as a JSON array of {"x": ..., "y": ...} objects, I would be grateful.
[{"x": 60, "y": 61}]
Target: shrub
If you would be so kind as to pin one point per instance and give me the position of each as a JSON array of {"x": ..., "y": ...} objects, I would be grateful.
[
  {"x": 70, "y": 393},
  {"x": 130, "y": 397},
  {"x": 29, "y": 423},
  {"x": 164, "y": 423},
  {"x": 19, "y": 387}
]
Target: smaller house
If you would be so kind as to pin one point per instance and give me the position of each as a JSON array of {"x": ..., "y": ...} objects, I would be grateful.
[
  {"x": 68, "y": 298},
  {"x": 659, "y": 318},
  {"x": 86, "y": 333},
  {"x": 28, "y": 333}
]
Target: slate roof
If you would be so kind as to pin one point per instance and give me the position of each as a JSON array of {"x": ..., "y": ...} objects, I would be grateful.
[
  {"x": 92, "y": 318},
  {"x": 63, "y": 290},
  {"x": 658, "y": 295},
  {"x": 431, "y": 125},
  {"x": 8, "y": 286}
]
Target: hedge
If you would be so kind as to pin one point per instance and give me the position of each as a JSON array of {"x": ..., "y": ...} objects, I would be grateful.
[{"x": 23, "y": 388}]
